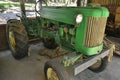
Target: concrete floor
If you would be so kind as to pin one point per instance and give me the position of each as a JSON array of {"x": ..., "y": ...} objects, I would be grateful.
[{"x": 31, "y": 68}]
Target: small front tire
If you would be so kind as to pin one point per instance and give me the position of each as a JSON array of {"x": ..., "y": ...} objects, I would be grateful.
[
  {"x": 100, "y": 65},
  {"x": 55, "y": 71}
]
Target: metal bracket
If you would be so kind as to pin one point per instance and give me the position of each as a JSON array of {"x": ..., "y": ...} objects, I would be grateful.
[{"x": 89, "y": 62}]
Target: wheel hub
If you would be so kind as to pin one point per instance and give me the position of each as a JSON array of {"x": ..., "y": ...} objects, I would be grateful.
[
  {"x": 97, "y": 64},
  {"x": 12, "y": 39},
  {"x": 51, "y": 74}
]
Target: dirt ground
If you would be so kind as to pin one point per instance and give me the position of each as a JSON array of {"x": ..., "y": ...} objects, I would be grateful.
[{"x": 31, "y": 68}]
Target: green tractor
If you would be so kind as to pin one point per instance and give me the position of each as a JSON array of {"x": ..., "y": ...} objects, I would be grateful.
[{"x": 78, "y": 30}]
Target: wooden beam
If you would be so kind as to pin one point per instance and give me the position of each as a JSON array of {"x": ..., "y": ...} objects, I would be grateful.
[
  {"x": 22, "y": 5},
  {"x": 78, "y": 2}
]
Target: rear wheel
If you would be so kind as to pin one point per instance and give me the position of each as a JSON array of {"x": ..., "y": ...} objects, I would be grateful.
[
  {"x": 99, "y": 66},
  {"x": 17, "y": 39},
  {"x": 54, "y": 71}
]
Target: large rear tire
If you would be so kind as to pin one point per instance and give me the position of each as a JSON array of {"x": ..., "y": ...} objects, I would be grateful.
[
  {"x": 55, "y": 71},
  {"x": 17, "y": 38}
]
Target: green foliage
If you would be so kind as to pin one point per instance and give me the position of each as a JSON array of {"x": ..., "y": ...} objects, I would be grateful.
[
  {"x": 6, "y": 5},
  {"x": 13, "y": 4}
]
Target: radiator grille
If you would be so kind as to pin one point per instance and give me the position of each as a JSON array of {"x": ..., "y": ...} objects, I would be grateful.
[{"x": 95, "y": 31}]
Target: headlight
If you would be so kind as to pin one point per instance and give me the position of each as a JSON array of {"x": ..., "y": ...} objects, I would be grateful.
[{"x": 79, "y": 18}]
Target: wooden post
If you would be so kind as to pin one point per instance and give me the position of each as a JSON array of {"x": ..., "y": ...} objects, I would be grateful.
[
  {"x": 78, "y": 2},
  {"x": 22, "y": 5}
]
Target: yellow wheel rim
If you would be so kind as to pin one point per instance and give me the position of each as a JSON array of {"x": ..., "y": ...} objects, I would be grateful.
[
  {"x": 51, "y": 74},
  {"x": 97, "y": 64},
  {"x": 12, "y": 39}
]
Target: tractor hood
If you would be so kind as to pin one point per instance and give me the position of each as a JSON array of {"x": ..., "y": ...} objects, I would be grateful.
[{"x": 68, "y": 14}]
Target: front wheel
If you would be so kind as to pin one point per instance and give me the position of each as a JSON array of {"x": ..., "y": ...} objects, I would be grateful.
[
  {"x": 99, "y": 66},
  {"x": 55, "y": 71},
  {"x": 17, "y": 39}
]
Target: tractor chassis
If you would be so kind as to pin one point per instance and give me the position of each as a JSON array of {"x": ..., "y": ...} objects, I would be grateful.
[
  {"x": 76, "y": 68},
  {"x": 89, "y": 62}
]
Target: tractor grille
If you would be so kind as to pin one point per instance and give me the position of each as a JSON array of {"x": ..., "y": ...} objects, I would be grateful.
[{"x": 95, "y": 31}]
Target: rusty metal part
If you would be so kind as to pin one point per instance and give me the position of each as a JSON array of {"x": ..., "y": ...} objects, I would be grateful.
[
  {"x": 115, "y": 41},
  {"x": 112, "y": 49},
  {"x": 111, "y": 45},
  {"x": 52, "y": 53}
]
